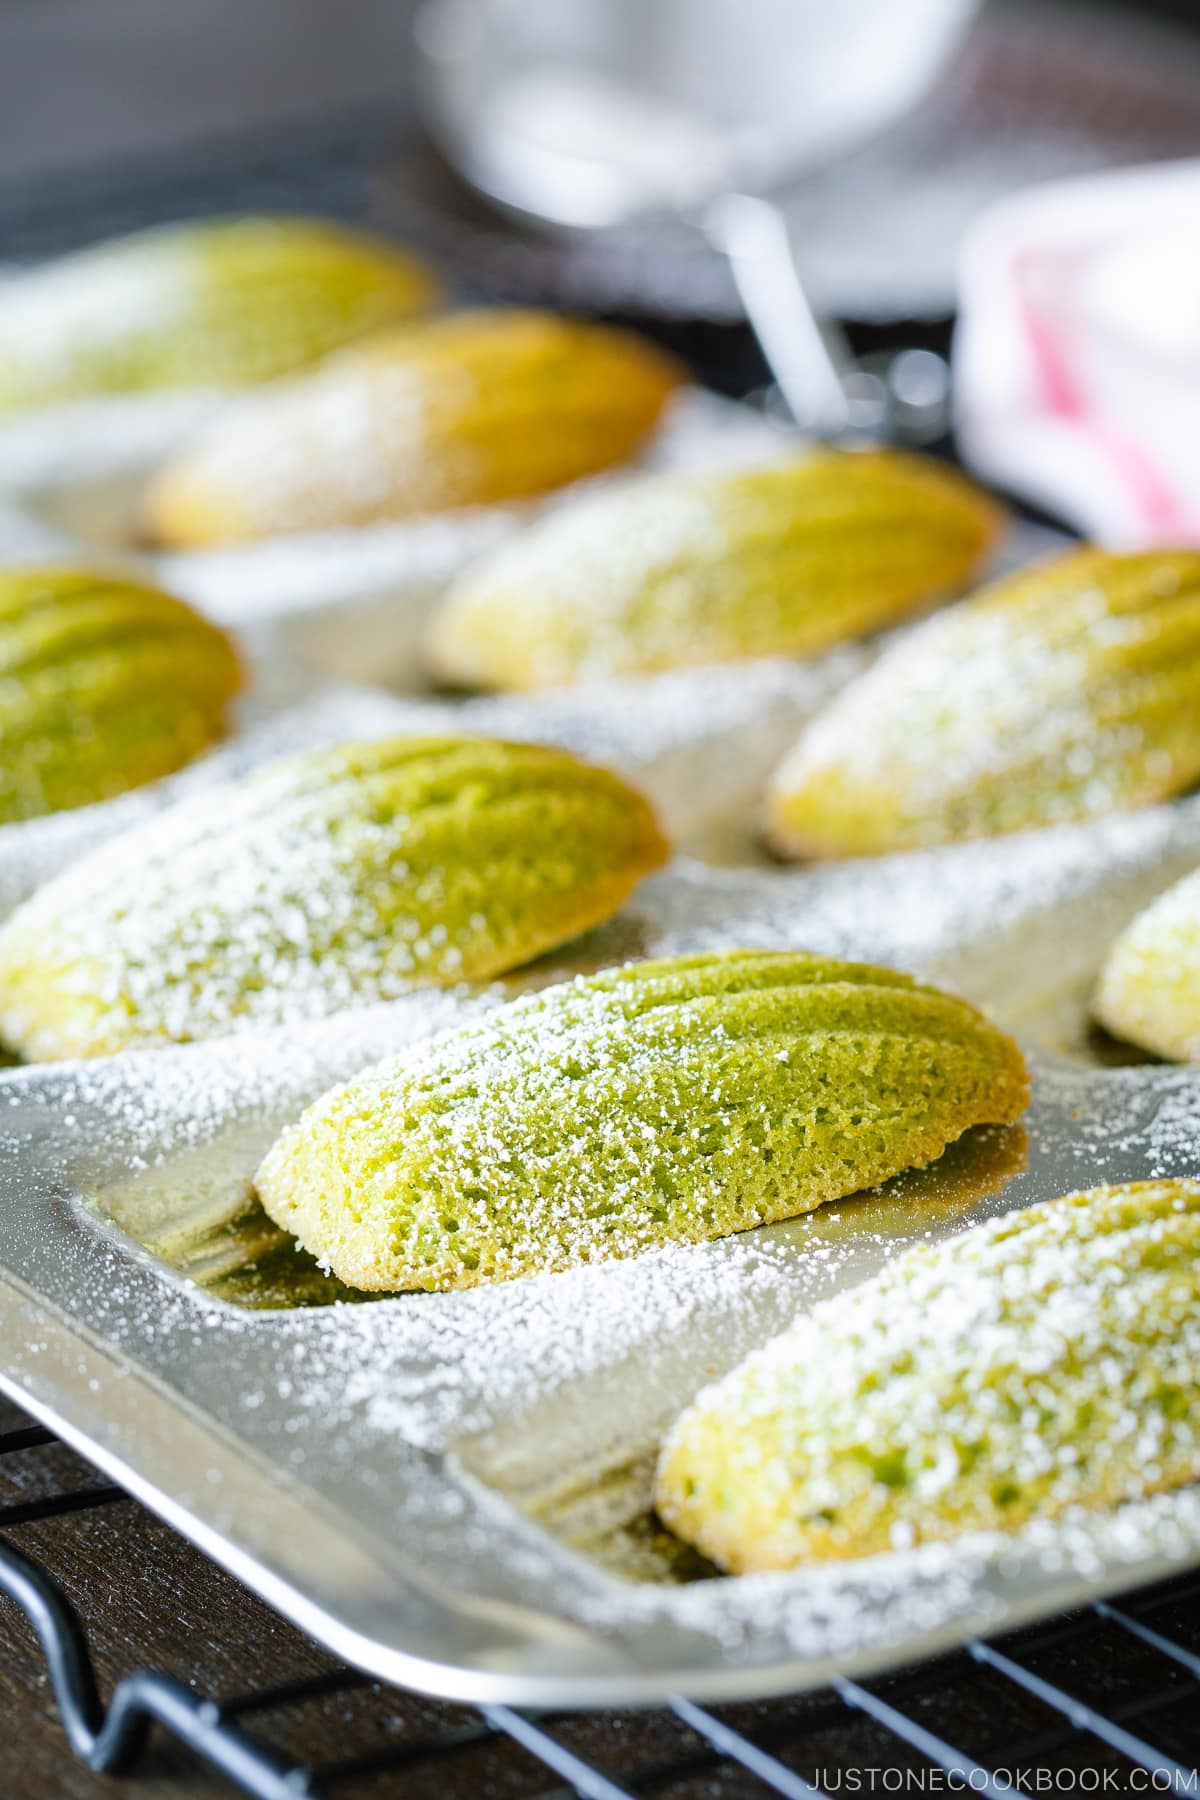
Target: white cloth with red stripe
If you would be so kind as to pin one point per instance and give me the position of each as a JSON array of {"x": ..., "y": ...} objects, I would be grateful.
[{"x": 1077, "y": 357}]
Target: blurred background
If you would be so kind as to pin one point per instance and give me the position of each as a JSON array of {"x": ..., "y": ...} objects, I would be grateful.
[
  {"x": 119, "y": 113},
  {"x": 97, "y": 94}
]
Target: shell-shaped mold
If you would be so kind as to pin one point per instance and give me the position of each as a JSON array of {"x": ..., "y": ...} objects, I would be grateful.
[
  {"x": 679, "y": 570},
  {"x": 105, "y": 685},
  {"x": 223, "y": 304},
  {"x": 1062, "y": 693},
  {"x": 1042, "y": 1362},
  {"x": 324, "y": 881},
  {"x": 664, "y": 1102},
  {"x": 471, "y": 409}
]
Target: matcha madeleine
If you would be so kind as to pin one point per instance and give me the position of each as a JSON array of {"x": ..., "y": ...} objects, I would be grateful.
[
  {"x": 1062, "y": 693},
  {"x": 1039, "y": 1363},
  {"x": 222, "y": 303},
  {"x": 320, "y": 882},
  {"x": 676, "y": 570},
  {"x": 664, "y": 1102},
  {"x": 105, "y": 684},
  {"x": 1148, "y": 992},
  {"x": 471, "y": 409}
]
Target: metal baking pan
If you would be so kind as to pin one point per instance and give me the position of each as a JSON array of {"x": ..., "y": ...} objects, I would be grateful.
[{"x": 452, "y": 1490}]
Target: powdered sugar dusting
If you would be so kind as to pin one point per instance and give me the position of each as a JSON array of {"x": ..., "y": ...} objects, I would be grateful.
[
  {"x": 274, "y": 724},
  {"x": 1059, "y": 696},
  {"x": 398, "y": 1411},
  {"x": 433, "y": 1428},
  {"x": 1037, "y": 1364}
]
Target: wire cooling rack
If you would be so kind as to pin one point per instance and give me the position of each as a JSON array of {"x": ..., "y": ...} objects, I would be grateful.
[{"x": 1105, "y": 1699}]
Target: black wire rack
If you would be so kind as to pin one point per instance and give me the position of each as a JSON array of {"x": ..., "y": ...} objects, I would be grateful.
[{"x": 991, "y": 1719}]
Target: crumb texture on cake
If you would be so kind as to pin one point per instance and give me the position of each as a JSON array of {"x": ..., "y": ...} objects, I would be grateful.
[
  {"x": 467, "y": 409},
  {"x": 1041, "y": 1362},
  {"x": 106, "y": 684},
  {"x": 222, "y": 303},
  {"x": 1064, "y": 692},
  {"x": 663, "y": 1102},
  {"x": 680, "y": 570},
  {"x": 323, "y": 881},
  {"x": 1148, "y": 991}
]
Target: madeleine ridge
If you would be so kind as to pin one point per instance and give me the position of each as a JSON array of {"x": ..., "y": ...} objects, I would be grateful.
[
  {"x": 663, "y": 1102},
  {"x": 221, "y": 303},
  {"x": 1064, "y": 692},
  {"x": 321, "y": 882},
  {"x": 1041, "y": 1362},
  {"x": 1148, "y": 991},
  {"x": 678, "y": 570},
  {"x": 107, "y": 685},
  {"x": 469, "y": 409}
]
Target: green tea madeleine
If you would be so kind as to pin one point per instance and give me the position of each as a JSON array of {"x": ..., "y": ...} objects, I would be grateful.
[
  {"x": 323, "y": 881},
  {"x": 105, "y": 684},
  {"x": 1148, "y": 992},
  {"x": 661, "y": 1103},
  {"x": 469, "y": 409},
  {"x": 222, "y": 303},
  {"x": 1040, "y": 1363},
  {"x": 677, "y": 570},
  {"x": 1061, "y": 693}
]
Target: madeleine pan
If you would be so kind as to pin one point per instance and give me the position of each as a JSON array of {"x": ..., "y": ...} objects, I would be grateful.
[{"x": 452, "y": 1490}]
